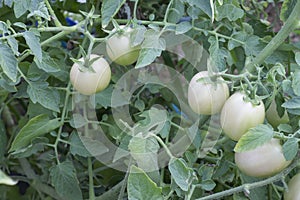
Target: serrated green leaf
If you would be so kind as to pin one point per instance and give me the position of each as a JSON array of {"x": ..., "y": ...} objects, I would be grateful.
[
  {"x": 47, "y": 63},
  {"x": 183, "y": 27},
  {"x": 6, "y": 180},
  {"x": 109, "y": 9},
  {"x": 255, "y": 137},
  {"x": 63, "y": 178},
  {"x": 8, "y": 62},
  {"x": 207, "y": 6},
  {"x": 290, "y": 148},
  {"x": 229, "y": 11},
  {"x": 34, "y": 44},
  {"x": 140, "y": 186},
  {"x": 176, "y": 11},
  {"x": 8, "y": 3},
  {"x": 20, "y": 7},
  {"x": 144, "y": 151},
  {"x": 36, "y": 127},
  {"x": 296, "y": 82},
  {"x": 13, "y": 43},
  {"x": 208, "y": 185},
  {"x": 181, "y": 173},
  {"x": 39, "y": 9},
  {"x": 286, "y": 9},
  {"x": 77, "y": 147},
  {"x": 293, "y": 103},
  {"x": 218, "y": 55},
  {"x": 49, "y": 98}
]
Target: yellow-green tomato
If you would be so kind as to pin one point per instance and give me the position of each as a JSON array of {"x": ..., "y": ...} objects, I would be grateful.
[
  {"x": 119, "y": 47},
  {"x": 238, "y": 115},
  {"x": 263, "y": 161},
  {"x": 88, "y": 82},
  {"x": 207, "y": 97},
  {"x": 273, "y": 117},
  {"x": 293, "y": 192}
]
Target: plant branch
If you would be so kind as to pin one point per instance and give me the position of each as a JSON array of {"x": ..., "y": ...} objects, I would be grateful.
[
  {"x": 289, "y": 26},
  {"x": 249, "y": 186},
  {"x": 55, "y": 19}
]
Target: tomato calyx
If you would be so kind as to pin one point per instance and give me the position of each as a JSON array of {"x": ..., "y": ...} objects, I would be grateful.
[{"x": 86, "y": 65}]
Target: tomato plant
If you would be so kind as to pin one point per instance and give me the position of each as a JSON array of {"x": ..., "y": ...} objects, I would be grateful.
[
  {"x": 293, "y": 188},
  {"x": 120, "y": 49},
  {"x": 76, "y": 124},
  {"x": 238, "y": 115},
  {"x": 93, "y": 78},
  {"x": 206, "y": 97},
  {"x": 263, "y": 161}
]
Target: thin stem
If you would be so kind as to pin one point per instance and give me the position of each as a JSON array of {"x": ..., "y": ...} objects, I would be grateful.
[
  {"x": 161, "y": 142},
  {"x": 55, "y": 19},
  {"x": 135, "y": 9},
  {"x": 250, "y": 186},
  {"x": 91, "y": 182},
  {"x": 288, "y": 27},
  {"x": 62, "y": 121},
  {"x": 167, "y": 12}
]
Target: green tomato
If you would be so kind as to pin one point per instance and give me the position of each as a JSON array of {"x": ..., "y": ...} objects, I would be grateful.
[
  {"x": 205, "y": 97},
  {"x": 263, "y": 161},
  {"x": 119, "y": 48},
  {"x": 88, "y": 82},
  {"x": 238, "y": 116},
  {"x": 273, "y": 118},
  {"x": 293, "y": 192}
]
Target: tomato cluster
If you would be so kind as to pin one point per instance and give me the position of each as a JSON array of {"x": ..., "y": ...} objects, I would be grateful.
[
  {"x": 238, "y": 114},
  {"x": 92, "y": 76}
]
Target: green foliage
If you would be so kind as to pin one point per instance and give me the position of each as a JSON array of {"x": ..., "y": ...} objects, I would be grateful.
[{"x": 138, "y": 138}]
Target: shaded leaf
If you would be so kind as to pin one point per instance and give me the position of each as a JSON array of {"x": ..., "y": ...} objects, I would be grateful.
[
  {"x": 63, "y": 178},
  {"x": 36, "y": 127},
  {"x": 181, "y": 173},
  {"x": 140, "y": 186},
  {"x": 290, "y": 148},
  {"x": 8, "y": 62},
  {"x": 109, "y": 9},
  {"x": 34, "y": 44}
]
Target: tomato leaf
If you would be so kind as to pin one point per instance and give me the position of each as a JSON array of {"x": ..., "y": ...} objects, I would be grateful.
[
  {"x": 144, "y": 151},
  {"x": 63, "y": 178},
  {"x": 290, "y": 148},
  {"x": 297, "y": 58},
  {"x": 181, "y": 173},
  {"x": 8, "y": 62},
  {"x": 286, "y": 9},
  {"x": 109, "y": 10},
  {"x": 34, "y": 44},
  {"x": 293, "y": 103},
  {"x": 296, "y": 82},
  {"x": 183, "y": 27},
  {"x": 140, "y": 186},
  {"x": 48, "y": 98},
  {"x": 20, "y": 7},
  {"x": 206, "y": 6},
  {"x": 229, "y": 11},
  {"x": 36, "y": 127},
  {"x": 255, "y": 137},
  {"x": 218, "y": 55}
]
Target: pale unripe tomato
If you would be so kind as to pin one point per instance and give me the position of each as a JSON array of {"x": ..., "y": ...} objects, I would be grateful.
[
  {"x": 238, "y": 116},
  {"x": 88, "y": 82},
  {"x": 119, "y": 48},
  {"x": 206, "y": 97},
  {"x": 273, "y": 117},
  {"x": 293, "y": 192},
  {"x": 263, "y": 161}
]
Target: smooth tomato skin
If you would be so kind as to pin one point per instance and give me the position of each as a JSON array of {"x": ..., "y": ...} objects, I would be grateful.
[
  {"x": 273, "y": 117},
  {"x": 206, "y": 98},
  {"x": 293, "y": 192},
  {"x": 88, "y": 82},
  {"x": 119, "y": 49},
  {"x": 263, "y": 161},
  {"x": 238, "y": 116}
]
